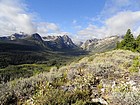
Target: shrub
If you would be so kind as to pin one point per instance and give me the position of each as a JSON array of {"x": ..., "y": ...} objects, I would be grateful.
[{"x": 135, "y": 66}]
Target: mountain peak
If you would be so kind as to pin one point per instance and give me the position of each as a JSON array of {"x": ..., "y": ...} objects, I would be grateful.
[
  {"x": 66, "y": 36},
  {"x": 59, "y": 42},
  {"x": 36, "y": 36},
  {"x": 17, "y": 36}
]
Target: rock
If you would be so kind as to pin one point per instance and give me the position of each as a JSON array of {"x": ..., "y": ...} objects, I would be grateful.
[{"x": 100, "y": 100}]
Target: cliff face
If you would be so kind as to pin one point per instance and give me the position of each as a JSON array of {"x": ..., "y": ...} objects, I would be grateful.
[{"x": 59, "y": 42}]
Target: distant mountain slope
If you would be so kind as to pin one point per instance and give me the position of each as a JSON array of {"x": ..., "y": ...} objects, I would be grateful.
[{"x": 101, "y": 45}]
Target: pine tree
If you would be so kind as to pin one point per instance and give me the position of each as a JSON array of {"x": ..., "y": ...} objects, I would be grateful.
[
  {"x": 129, "y": 41},
  {"x": 138, "y": 38},
  {"x": 138, "y": 43}
]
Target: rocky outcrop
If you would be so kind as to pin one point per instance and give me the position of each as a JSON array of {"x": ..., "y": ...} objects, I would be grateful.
[
  {"x": 100, "y": 45},
  {"x": 89, "y": 43},
  {"x": 59, "y": 42}
]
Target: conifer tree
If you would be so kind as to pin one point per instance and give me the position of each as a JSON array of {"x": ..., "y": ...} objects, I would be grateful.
[
  {"x": 138, "y": 43},
  {"x": 129, "y": 41}
]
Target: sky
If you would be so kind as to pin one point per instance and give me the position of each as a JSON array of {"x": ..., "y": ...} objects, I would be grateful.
[{"x": 80, "y": 19}]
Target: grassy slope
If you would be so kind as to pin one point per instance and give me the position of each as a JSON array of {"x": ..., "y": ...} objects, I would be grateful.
[{"x": 111, "y": 77}]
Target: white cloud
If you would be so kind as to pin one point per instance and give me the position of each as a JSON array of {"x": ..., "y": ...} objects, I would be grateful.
[
  {"x": 114, "y": 6},
  {"x": 92, "y": 31},
  {"x": 116, "y": 17},
  {"x": 44, "y": 28},
  {"x": 13, "y": 18},
  {"x": 116, "y": 25},
  {"x": 76, "y": 26},
  {"x": 122, "y": 21},
  {"x": 58, "y": 33}
]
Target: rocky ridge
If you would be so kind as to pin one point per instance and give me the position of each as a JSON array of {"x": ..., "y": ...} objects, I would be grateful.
[
  {"x": 50, "y": 42},
  {"x": 101, "y": 45}
]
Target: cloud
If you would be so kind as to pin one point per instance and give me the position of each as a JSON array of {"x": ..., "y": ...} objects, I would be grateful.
[
  {"x": 119, "y": 23},
  {"x": 116, "y": 25},
  {"x": 92, "y": 31},
  {"x": 44, "y": 28},
  {"x": 77, "y": 27},
  {"x": 116, "y": 17},
  {"x": 13, "y": 18},
  {"x": 114, "y": 6},
  {"x": 60, "y": 33}
]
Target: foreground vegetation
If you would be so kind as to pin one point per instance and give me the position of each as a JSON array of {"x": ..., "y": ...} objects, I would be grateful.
[{"x": 110, "y": 78}]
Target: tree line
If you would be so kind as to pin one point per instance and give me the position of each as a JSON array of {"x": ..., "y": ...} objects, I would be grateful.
[{"x": 129, "y": 42}]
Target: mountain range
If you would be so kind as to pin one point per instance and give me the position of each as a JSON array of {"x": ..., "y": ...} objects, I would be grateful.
[
  {"x": 61, "y": 43},
  {"x": 38, "y": 42},
  {"x": 23, "y": 48},
  {"x": 27, "y": 49}
]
